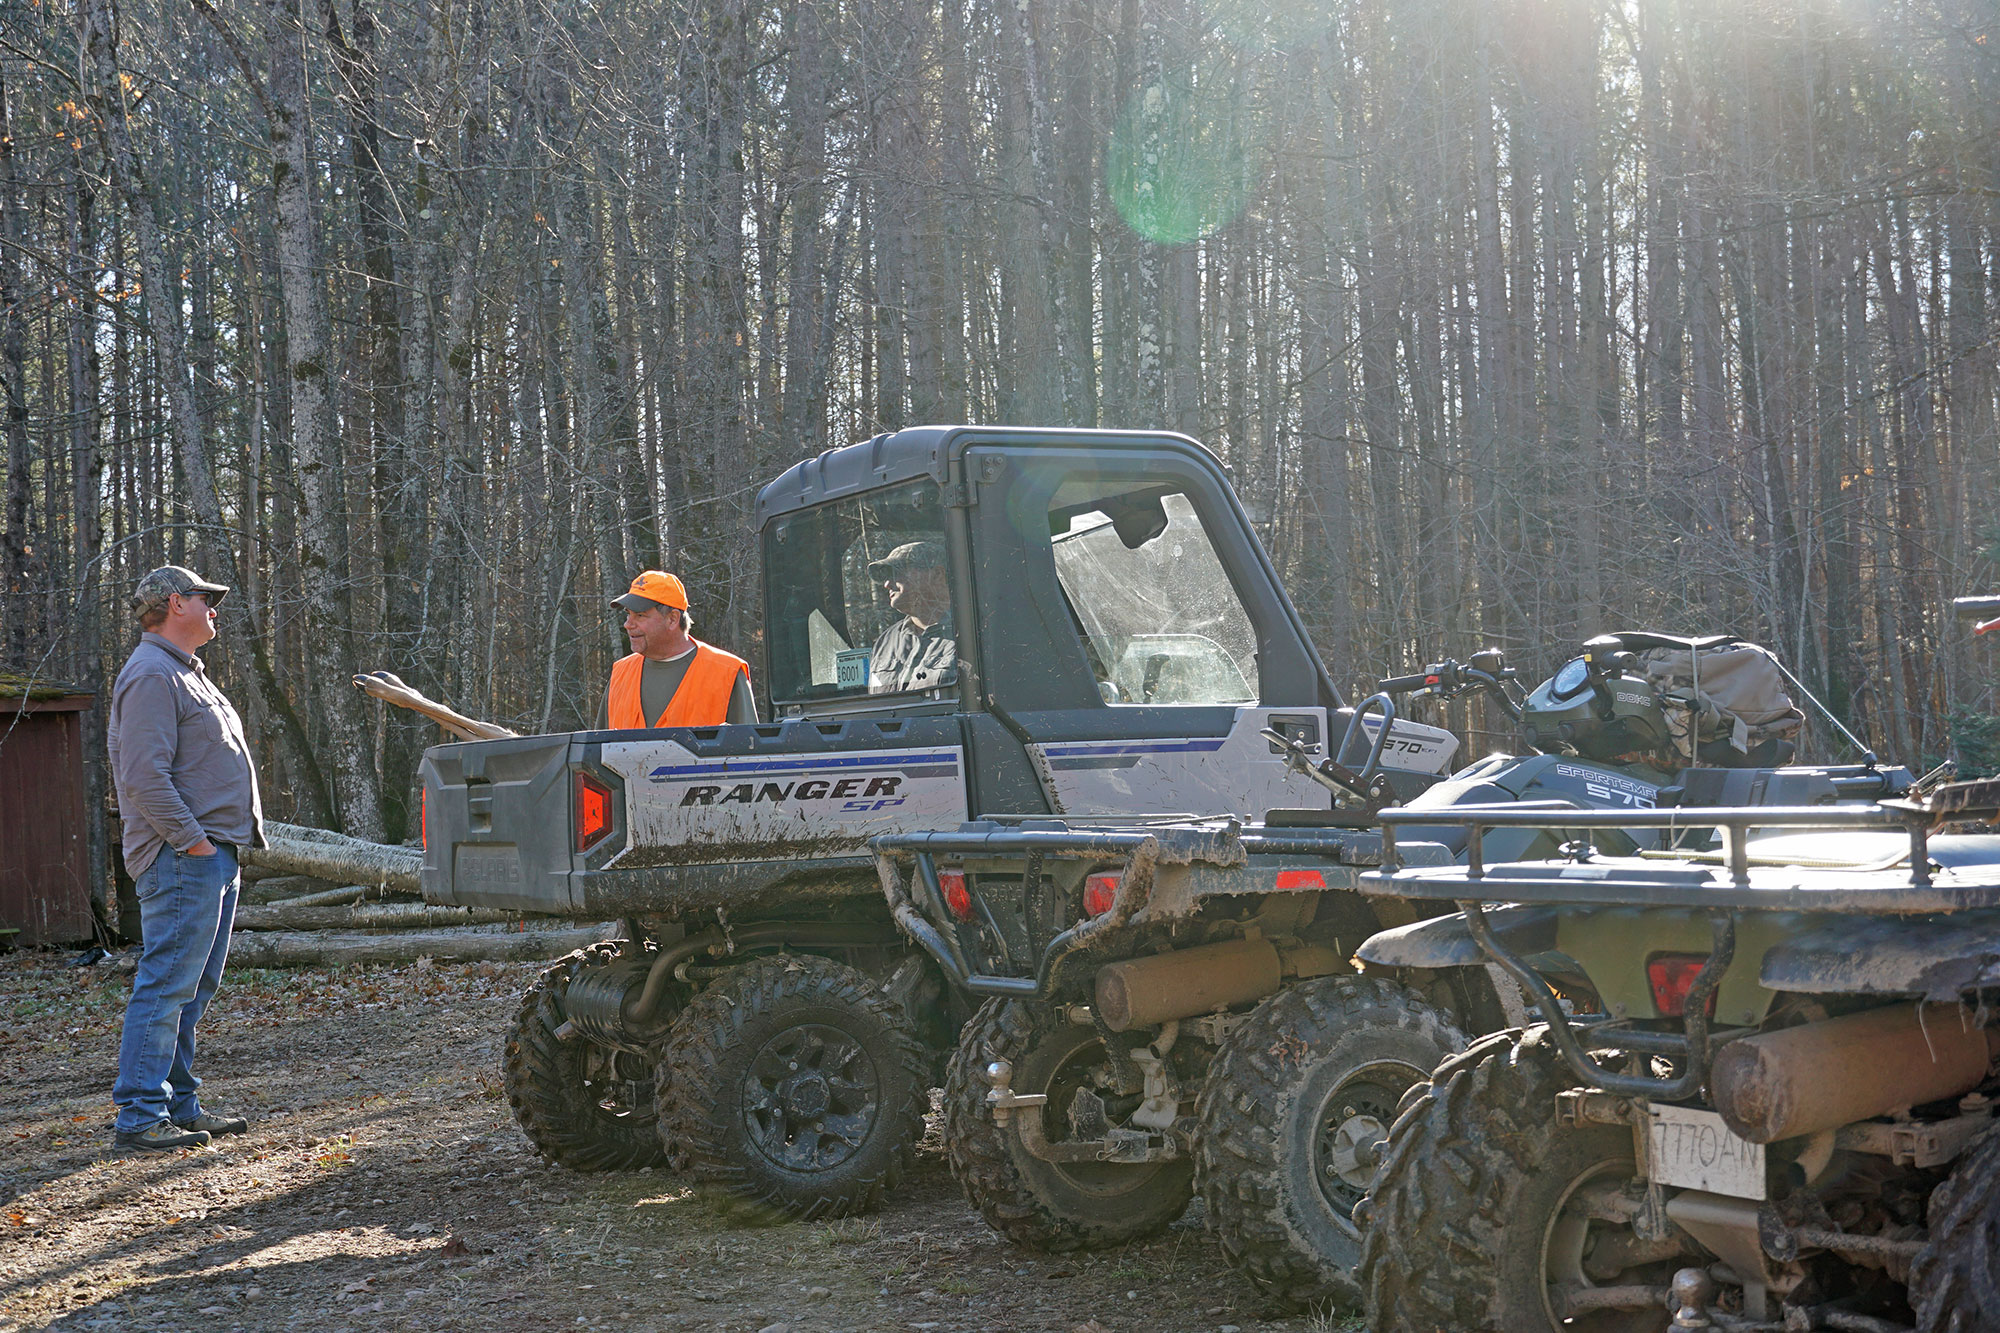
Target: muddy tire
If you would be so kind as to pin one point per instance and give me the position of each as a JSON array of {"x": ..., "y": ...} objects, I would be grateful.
[
  {"x": 1050, "y": 1206},
  {"x": 1955, "y": 1281},
  {"x": 1295, "y": 1107},
  {"x": 1479, "y": 1206},
  {"x": 582, "y": 1106},
  {"x": 794, "y": 1084}
]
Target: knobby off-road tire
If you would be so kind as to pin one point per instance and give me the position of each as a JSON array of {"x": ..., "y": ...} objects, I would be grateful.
[
  {"x": 1050, "y": 1206},
  {"x": 1955, "y": 1281},
  {"x": 793, "y": 1083},
  {"x": 1298, "y": 1100},
  {"x": 1467, "y": 1217},
  {"x": 582, "y": 1107}
]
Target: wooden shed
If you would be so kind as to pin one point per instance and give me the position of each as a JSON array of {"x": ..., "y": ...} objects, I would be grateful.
[{"x": 44, "y": 840}]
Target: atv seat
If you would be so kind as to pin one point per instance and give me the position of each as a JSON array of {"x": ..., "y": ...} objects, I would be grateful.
[{"x": 1638, "y": 641}]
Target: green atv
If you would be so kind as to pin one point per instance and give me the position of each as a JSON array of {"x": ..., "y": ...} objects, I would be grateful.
[{"x": 1760, "y": 1096}]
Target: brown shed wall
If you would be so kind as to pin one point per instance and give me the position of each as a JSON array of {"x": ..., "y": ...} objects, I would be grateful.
[{"x": 44, "y": 857}]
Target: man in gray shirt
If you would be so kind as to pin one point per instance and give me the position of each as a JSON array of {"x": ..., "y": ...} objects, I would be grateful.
[{"x": 187, "y": 794}]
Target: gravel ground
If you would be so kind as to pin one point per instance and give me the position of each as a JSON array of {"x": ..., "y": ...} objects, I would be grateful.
[{"x": 384, "y": 1186}]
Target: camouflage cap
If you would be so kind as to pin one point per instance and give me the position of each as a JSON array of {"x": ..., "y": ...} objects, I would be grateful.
[
  {"x": 910, "y": 557},
  {"x": 164, "y": 582}
]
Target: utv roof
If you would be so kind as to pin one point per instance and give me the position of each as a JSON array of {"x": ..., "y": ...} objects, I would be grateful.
[{"x": 929, "y": 451}]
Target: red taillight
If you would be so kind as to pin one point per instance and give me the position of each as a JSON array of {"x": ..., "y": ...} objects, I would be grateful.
[
  {"x": 952, "y": 882},
  {"x": 1672, "y": 976},
  {"x": 593, "y": 811},
  {"x": 424, "y": 817},
  {"x": 1099, "y": 891}
]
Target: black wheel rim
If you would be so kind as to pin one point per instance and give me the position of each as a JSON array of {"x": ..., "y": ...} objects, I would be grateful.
[
  {"x": 1353, "y": 1124},
  {"x": 810, "y": 1097}
]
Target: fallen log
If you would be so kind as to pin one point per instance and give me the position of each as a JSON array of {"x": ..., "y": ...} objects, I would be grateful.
[
  {"x": 365, "y": 916},
  {"x": 278, "y": 888},
  {"x": 298, "y": 850},
  {"x": 351, "y": 893},
  {"x": 326, "y": 949}
]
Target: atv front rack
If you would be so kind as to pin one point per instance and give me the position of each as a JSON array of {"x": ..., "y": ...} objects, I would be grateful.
[
  {"x": 1589, "y": 879},
  {"x": 1166, "y": 870}
]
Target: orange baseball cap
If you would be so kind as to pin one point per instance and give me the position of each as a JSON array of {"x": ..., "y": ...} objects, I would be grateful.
[{"x": 653, "y": 588}]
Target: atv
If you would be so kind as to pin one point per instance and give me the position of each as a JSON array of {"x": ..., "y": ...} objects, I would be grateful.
[
  {"x": 1169, "y": 1005},
  {"x": 1758, "y": 1094},
  {"x": 1165, "y": 1006}
]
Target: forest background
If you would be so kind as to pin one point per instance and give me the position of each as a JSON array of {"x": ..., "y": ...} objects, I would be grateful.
[{"x": 425, "y": 323}]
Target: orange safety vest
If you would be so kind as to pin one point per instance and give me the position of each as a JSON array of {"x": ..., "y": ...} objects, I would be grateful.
[{"x": 702, "y": 700}]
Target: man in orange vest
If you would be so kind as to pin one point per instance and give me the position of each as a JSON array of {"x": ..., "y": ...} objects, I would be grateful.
[{"x": 672, "y": 679}]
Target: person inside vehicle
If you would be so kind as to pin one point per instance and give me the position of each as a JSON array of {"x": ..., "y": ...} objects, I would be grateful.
[
  {"x": 671, "y": 677},
  {"x": 919, "y": 651}
]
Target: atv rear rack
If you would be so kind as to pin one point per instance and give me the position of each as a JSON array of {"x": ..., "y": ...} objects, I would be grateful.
[
  {"x": 1722, "y": 893},
  {"x": 1200, "y": 859}
]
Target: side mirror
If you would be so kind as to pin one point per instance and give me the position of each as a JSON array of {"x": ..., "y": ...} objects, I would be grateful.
[{"x": 1138, "y": 521}]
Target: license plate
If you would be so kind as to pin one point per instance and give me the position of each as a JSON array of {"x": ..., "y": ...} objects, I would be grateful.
[{"x": 1695, "y": 1150}]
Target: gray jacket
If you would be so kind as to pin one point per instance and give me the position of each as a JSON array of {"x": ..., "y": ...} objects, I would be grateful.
[{"x": 178, "y": 757}]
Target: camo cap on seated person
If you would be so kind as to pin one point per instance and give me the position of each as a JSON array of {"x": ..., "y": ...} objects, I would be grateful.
[{"x": 909, "y": 558}]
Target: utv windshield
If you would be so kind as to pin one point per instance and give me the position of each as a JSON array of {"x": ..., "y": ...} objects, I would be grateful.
[
  {"x": 859, "y": 602},
  {"x": 1159, "y": 619}
]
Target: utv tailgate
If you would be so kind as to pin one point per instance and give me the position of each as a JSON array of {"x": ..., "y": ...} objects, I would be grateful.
[
  {"x": 497, "y": 824},
  {"x": 605, "y": 823}
]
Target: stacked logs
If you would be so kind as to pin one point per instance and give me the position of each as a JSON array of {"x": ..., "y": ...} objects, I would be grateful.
[{"x": 314, "y": 898}]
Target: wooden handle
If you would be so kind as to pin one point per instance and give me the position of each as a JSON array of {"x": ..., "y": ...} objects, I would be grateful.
[{"x": 390, "y": 689}]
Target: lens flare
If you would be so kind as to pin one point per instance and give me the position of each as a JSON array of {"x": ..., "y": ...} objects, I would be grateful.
[{"x": 1184, "y": 158}]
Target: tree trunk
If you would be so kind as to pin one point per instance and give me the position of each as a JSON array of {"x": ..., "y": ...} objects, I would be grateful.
[
  {"x": 298, "y": 850},
  {"x": 276, "y": 949},
  {"x": 15, "y": 540},
  {"x": 366, "y": 916},
  {"x": 323, "y": 521},
  {"x": 87, "y": 487}
]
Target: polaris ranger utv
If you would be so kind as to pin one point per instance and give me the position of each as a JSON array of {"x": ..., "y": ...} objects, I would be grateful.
[{"x": 1107, "y": 638}]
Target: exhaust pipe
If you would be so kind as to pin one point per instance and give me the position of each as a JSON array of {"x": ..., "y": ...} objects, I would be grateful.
[
  {"x": 1818, "y": 1076},
  {"x": 1145, "y": 992}
]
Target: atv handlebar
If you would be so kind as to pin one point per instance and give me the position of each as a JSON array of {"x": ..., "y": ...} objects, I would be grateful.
[{"x": 1448, "y": 679}]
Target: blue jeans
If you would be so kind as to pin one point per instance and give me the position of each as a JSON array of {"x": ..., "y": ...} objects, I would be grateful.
[{"x": 186, "y": 906}]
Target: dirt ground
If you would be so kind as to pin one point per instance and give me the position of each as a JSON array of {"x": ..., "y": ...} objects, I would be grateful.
[{"x": 384, "y": 1186}]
